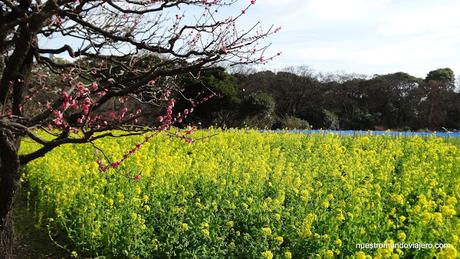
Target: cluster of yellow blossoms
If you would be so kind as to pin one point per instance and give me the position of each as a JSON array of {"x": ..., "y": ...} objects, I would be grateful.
[{"x": 250, "y": 194}]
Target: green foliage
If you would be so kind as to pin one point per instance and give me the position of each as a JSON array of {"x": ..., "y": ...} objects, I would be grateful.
[
  {"x": 220, "y": 110},
  {"x": 291, "y": 122},
  {"x": 445, "y": 75},
  {"x": 259, "y": 104},
  {"x": 257, "y": 110},
  {"x": 391, "y": 101},
  {"x": 220, "y": 81},
  {"x": 331, "y": 120}
]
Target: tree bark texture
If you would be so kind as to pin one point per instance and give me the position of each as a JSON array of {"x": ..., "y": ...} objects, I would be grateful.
[{"x": 9, "y": 175}]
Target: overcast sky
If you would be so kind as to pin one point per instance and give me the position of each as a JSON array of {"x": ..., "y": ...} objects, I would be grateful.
[{"x": 363, "y": 36}]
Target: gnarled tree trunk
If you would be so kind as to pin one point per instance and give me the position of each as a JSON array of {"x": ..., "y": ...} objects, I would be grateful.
[{"x": 9, "y": 175}]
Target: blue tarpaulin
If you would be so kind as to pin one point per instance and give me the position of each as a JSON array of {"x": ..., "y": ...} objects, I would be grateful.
[{"x": 379, "y": 133}]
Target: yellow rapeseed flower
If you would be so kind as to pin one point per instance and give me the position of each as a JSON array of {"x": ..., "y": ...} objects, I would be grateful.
[
  {"x": 230, "y": 224},
  {"x": 205, "y": 232},
  {"x": 451, "y": 201},
  {"x": 267, "y": 254},
  {"x": 360, "y": 255},
  {"x": 402, "y": 236},
  {"x": 402, "y": 218},
  {"x": 279, "y": 240},
  {"x": 184, "y": 226},
  {"x": 449, "y": 252},
  {"x": 266, "y": 232},
  {"x": 340, "y": 217},
  {"x": 448, "y": 211},
  {"x": 338, "y": 242},
  {"x": 437, "y": 218}
]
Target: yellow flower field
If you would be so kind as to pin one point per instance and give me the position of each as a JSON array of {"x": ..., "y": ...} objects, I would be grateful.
[{"x": 250, "y": 194}]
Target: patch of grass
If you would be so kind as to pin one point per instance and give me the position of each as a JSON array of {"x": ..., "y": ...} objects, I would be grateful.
[
  {"x": 455, "y": 141},
  {"x": 30, "y": 242}
]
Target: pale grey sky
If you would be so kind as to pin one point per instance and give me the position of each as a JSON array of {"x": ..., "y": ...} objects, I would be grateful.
[
  {"x": 363, "y": 36},
  {"x": 357, "y": 36}
]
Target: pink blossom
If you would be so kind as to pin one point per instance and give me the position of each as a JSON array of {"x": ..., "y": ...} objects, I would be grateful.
[
  {"x": 101, "y": 93},
  {"x": 116, "y": 164},
  {"x": 59, "y": 117},
  {"x": 94, "y": 86},
  {"x": 85, "y": 109}
]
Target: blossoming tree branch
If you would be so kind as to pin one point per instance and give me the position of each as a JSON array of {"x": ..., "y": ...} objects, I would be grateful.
[{"x": 111, "y": 51}]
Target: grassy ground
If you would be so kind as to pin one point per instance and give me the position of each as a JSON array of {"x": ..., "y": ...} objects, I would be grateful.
[
  {"x": 455, "y": 141},
  {"x": 31, "y": 242}
]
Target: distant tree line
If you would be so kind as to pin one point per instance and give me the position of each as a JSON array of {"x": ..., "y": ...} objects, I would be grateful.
[{"x": 298, "y": 98}]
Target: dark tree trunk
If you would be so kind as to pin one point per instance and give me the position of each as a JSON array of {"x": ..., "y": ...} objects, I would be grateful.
[
  {"x": 9, "y": 175},
  {"x": 15, "y": 74}
]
